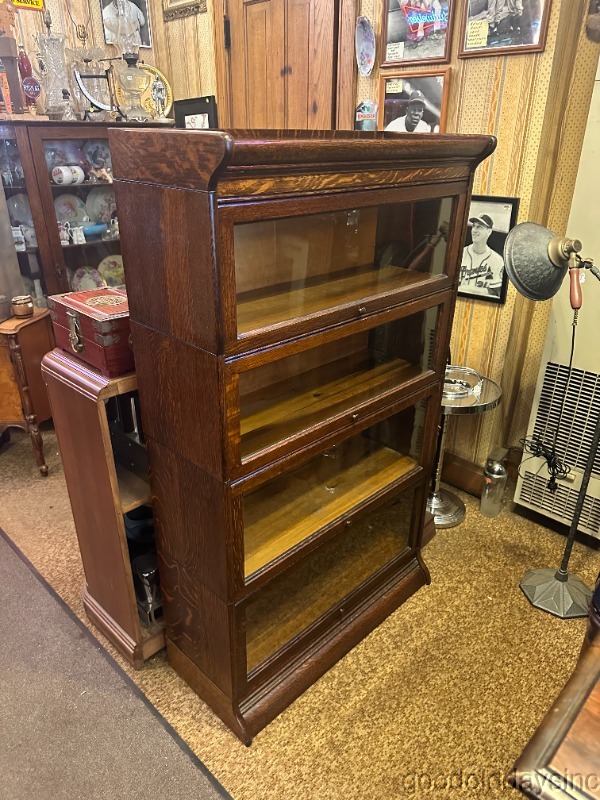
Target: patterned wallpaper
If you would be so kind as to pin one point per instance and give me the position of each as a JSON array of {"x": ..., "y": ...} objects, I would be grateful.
[{"x": 509, "y": 96}]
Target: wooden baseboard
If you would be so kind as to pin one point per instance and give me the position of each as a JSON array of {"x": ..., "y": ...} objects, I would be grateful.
[{"x": 468, "y": 476}]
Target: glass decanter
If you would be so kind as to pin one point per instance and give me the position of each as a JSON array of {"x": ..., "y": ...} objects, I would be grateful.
[
  {"x": 134, "y": 82},
  {"x": 53, "y": 73}
]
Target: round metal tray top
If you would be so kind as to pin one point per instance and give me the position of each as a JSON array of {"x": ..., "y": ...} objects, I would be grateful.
[{"x": 485, "y": 400}]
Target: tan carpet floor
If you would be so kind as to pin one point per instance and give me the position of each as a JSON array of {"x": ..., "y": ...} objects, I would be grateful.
[{"x": 437, "y": 702}]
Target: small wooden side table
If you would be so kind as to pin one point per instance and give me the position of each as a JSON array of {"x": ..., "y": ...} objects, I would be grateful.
[{"x": 23, "y": 397}]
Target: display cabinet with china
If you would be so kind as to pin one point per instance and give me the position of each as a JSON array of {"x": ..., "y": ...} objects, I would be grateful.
[
  {"x": 74, "y": 170},
  {"x": 17, "y": 173}
]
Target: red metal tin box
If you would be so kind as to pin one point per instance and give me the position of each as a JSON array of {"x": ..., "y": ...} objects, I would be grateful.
[{"x": 94, "y": 325}]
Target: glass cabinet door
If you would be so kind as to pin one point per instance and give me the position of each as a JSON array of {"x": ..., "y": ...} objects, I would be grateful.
[
  {"x": 327, "y": 491},
  {"x": 20, "y": 216},
  {"x": 78, "y": 174},
  {"x": 361, "y": 259},
  {"x": 340, "y": 381}
]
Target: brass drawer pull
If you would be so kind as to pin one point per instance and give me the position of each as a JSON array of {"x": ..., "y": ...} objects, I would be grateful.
[{"x": 362, "y": 310}]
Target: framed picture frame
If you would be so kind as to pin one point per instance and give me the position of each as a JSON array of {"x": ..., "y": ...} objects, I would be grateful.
[
  {"x": 196, "y": 113},
  {"x": 482, "y": 274},
  {"x": 137, "y": 15},
  {"x": 415, "y": 102},
  {"x": 416, "y": 32},
  {"x": 179, "y": 9},
  {"x": 500, "y": 27}
]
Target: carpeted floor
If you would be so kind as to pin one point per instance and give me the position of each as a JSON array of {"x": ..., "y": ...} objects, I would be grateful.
[
  {"x": 437, "y": 702},
  {"x": 72, "y": 725}
]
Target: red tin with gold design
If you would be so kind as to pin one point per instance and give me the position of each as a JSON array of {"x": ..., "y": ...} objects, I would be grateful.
[{"x": 94, "y": 325}]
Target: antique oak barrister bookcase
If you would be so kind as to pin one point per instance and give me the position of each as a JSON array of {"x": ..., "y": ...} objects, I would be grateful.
[{"x": 291, "y": 297}]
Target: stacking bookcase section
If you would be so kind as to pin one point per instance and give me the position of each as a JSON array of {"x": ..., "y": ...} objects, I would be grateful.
[{"x": 291, "y": 298}]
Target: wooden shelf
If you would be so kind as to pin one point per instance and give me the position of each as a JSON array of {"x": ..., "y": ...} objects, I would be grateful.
[
  {"x": 91, "y": 242},
  {"x": 84, "y": 185},
  {"x": 134, "y": 491},
  {"x": 291, "y": 509},
  {"x": 281, "y": 410},
  {"x": 260, "y": 310}
]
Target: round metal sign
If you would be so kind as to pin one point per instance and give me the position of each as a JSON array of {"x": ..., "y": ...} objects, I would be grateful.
[{"x": 32, "y": 88}]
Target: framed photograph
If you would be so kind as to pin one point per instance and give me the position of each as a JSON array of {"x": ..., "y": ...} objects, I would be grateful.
[
  {"x": 482, "y": 273},
  {"x": 196, "y": 113},
  {"x": 504, "y": 26},
  {"x": 414, "y": 103},
  {"x": 417, "y": 31},
  {"x": 132, "y": 16}
]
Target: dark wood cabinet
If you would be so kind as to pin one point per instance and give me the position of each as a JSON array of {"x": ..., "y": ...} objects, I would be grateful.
[{"x": 291, "y": 297}]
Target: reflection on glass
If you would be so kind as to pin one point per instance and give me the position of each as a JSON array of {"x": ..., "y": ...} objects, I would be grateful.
[
  {"x": 293, "y": 267},
  {"x": 20, "y": 275},
  {"x": 297, "y": 505},
  {"x": 283, "y": 398},
  {"x": 296, "y": 599}
]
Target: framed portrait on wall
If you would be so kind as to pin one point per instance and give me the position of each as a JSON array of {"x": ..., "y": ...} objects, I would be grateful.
[
  {"x": 482, "y": 273},
  {"x": 196, "y": 113},
  {"x": 416, "y": 31},
  {"x": 414, "y": 103},
  {"x": 504, "y": 26},
  {"x": 131, "y": 17}
]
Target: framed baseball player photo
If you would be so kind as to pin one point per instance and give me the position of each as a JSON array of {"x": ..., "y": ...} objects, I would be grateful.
[
  {"x": 414, "y": 102},
  {"x": 482, "y": 273},
  {"x": 417, "y": 31},
  {"x": 501, "y": 27}
]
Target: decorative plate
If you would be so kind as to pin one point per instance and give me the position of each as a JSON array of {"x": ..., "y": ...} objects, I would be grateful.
[
  {"x": 101, "y": 203},
  {"x": 97, "y": 153},
  {"x": 19, "y": 209},
  {"x": 87, "y": 278},
  {"x": 63, "y": 152},
  {"x": 147, "y": 101},
  {"x": 70, "y": 208},
  {"x": 111, "y": 269},
  {"x": 365, "y": 46}
]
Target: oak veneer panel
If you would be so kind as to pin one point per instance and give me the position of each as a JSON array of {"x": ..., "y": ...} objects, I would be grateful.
[
  {"x": 198, "y": 622},
  {"x": 10, "y": 399},
  {"x": 170, "y": 261},
  {"x": 190, "y": 518},
  {"x": 37, "y": 340},
  {"x": 85, "y": 457},
  {"x": 178, "y": 385}
]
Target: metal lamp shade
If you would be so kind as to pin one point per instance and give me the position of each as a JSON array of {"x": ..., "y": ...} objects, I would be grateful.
[{"x": 528, "y": 264}]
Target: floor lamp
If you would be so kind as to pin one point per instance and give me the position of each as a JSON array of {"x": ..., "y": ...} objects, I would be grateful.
[{"x": 537, "y": 262}]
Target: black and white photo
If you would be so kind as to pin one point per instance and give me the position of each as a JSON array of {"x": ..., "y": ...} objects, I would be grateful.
[
  {"x": 417, "y": 31},
  {"x": 126, "y": 20},
  {"x": 482, "y": 272},
  {"x": 414, "y": 103},
  {"x": 196, "y": 113},
  {"x": 504, "y": 25}
]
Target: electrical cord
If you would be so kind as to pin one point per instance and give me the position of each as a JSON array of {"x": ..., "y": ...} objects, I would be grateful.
[{"x": 538, "y": 448}]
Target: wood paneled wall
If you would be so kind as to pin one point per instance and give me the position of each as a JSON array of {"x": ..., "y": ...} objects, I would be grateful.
[{"x": 537, "y": 106}]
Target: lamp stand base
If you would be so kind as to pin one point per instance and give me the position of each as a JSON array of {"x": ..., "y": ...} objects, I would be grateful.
[
  {"x": 448, "y": 510},
  {"x": 558, "y": 593}
]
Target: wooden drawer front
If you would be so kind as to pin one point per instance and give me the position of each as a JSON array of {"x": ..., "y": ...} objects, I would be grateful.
[
  {"x": 301, "y": 273},
  {"x": 325, "y": 585},
  {"x": 312, "y": 502},
  {"x": 294, "y": 398},
  {"x": 10, "y": 399}
]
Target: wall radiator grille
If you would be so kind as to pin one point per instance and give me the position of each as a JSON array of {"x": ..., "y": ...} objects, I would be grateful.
[
  {"x": 581, "y": 399},
  {"x": 560, "y": 504}
]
